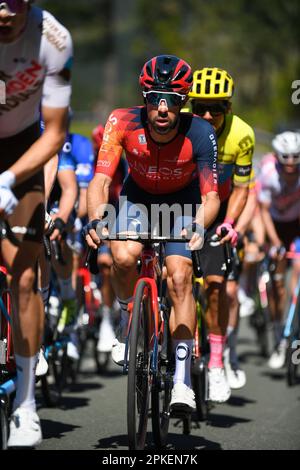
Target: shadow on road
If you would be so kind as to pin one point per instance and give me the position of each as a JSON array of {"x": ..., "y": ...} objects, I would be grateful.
[
  {"x": 239, "y": 401},
  {"x": 55, "y": 429},
  {"x": 108, "y": 374},
  {"x": 225, "y": 421},
  {"x": 79, "y": 387},
  {"x": 276, "y": 376},
  {"x": 175, "y": 441},
  {"x": 72, "y": 403},
  {"x": 253, "y": 358}
]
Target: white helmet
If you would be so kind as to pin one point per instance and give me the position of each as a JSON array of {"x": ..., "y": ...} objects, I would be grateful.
[{"x": 287, "y": 147}]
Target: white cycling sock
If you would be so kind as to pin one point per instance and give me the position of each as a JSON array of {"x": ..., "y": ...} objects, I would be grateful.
[
  {"x": 183, "y": 354},
  {"x": 25, "y": 395},
  {"x": 66, "y": 289}
]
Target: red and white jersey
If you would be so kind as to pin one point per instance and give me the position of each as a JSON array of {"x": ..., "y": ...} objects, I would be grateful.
[
  {"x": 283, "y": 198},
  {"x": 36, "y": 70}
]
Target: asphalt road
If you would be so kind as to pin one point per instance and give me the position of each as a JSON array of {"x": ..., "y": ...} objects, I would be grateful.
[{"x": 265, "y": 414}]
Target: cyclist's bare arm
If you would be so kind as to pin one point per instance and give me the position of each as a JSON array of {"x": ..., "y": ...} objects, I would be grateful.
[
  {"x": 269, "y": 224},
  {"x": 237, "y": 202},
  {"x": 209, "y": 209},
  {"x": 69, "y": 191},
  {"x": 97, "y": 197},
  {"x": 82, "y": 206},
  {"x": 50, "y": 172},
  {"x": 45, "y": 147},
  {"x": 247, "y": 214}
]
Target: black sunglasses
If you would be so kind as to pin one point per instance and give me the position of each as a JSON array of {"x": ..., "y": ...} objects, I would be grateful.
[
  {"x": 172, "y": 99},
  {"x": 213, "y": 109}
]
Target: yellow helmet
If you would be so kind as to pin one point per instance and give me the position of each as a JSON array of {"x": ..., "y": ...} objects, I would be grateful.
[{"x": 212, "y": 83}]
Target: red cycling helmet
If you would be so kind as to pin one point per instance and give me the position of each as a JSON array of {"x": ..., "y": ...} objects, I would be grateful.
[
  {"x": 167, "y": 73},
  {"x": 97, "y": 135}
]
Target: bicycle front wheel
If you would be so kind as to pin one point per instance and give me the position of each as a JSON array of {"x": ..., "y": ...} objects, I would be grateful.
[{"x": 139, "y": 378}]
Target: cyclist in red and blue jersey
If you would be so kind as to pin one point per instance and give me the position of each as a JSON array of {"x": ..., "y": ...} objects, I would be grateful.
[
  {"x": 172, "y": 158},
  {"x": 109, "y": 306}
]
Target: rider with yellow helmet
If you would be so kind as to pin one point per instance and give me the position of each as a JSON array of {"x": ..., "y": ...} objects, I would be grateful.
[{"x": 210, "y": 98}]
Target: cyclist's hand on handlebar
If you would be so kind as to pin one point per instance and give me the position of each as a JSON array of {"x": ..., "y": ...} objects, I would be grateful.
[
  {"x": 59, "y": 228},
  {"x": 90, "y": 234},
  {"x": 195, "y": 234},
  {"x": 277, "y": 252},
  {"x": 8, "y": 201},
  {"x": 232, "y": 234}
]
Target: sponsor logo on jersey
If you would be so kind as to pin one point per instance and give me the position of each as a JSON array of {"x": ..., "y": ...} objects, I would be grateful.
[
  {"x": 243, "y": 170},
  {"x": 142, "y": 139}
]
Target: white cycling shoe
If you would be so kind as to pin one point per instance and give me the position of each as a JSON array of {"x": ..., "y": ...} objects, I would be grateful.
[
  {"x": 42, "y": 365},
  {"x": 278, "y": 357},
  {"x": 118, "y": 352},
  {"x": 218, "y": 387},
  {"x": 182, "y": 397},
  {"x": 236, "y": 378},
  {"x": 106, "y": 337},
  {"x": 25, "y": 429}
]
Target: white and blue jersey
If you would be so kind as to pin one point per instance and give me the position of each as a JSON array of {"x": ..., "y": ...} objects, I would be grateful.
[{"x": 77, "y": 154}]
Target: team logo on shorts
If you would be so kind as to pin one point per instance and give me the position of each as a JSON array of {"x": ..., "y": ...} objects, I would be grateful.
[{"x": 142, "y": 139}]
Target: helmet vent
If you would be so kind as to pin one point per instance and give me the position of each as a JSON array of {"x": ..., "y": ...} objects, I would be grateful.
[
  {"x": 217, "y": 88},
  {"x": 207, "y": 86}
]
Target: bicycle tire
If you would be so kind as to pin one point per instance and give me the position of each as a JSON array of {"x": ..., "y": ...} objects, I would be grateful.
[
  {"x": 292, "y": 351},
  {"x": 291, "y": 374},
  {"x": 161, "y": 395},
  {"x": 139, "y": 380},
  {"x": 4, "y": 424},
  {"x": 199, "y": 380},
  {"x": 53, "y": 383}
]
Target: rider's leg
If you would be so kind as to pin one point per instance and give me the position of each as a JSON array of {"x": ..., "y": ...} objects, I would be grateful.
[
  {"x": 28, "y": 318},
  {"x": 124, "y": 276},
  {"x": 232, "y": 288},
  {"x": 106, "y": 331},
  {"x": 182, "y": 327}
]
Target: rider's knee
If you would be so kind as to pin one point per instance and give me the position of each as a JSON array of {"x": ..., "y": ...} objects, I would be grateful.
[
  {"x": 215, "y": 287},
  {"x": 25, "y": 280},
  {"x": 123, "y": 260},
  {"x": 180, "y": 280}
]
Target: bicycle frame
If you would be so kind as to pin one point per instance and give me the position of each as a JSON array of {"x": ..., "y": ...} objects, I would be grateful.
[
  {"x": 148, "y": 275},
  {"x": 289, "y": 321},
  {"x": 9, "y": 386}
]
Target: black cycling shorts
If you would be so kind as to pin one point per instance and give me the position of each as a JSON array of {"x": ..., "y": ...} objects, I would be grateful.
[
  {"x": 28, "y": 219},
  {"x": 128, "y": 219},
  {"x": 213, "y": 257}
]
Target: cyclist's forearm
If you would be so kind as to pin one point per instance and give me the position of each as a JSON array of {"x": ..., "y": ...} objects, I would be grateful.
[
  {"x": 69, "y": 192},
  {"x": 97, "y": 196},
  {"x": 247, "y": 214},
  {"x": 82, "y": 208},
  {"x": 208, "y": 210},
  {"x": 269, "y": 226},
  {"x": 237, "y": 202},
  {"x": 50, "y": 172},
  {"x": 37, "y": 155}
]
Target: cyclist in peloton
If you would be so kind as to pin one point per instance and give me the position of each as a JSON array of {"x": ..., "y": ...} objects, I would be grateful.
[
  {"x": 210, "y": 98},
  {"x": 35, "y": 67},
  {"x": 172, "y": 159},
  {"x": 279, "y": 198},
  {"x": 108, "y": 305}
]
